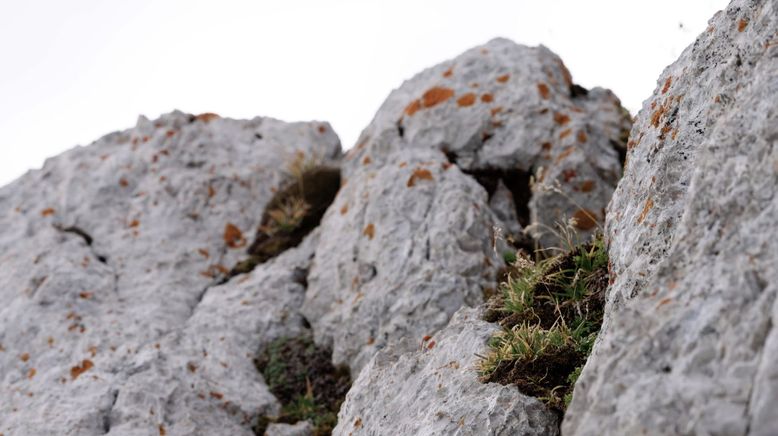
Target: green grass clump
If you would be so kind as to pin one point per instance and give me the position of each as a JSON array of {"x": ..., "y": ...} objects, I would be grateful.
[{"x": 551, "y": 311}]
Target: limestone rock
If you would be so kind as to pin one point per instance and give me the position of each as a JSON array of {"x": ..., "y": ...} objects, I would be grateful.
[
  {"x": 302, "y": 428},
  {"x": 507, "y": 108},
  {"x": 434, "y": 390},
  {"x": 688, "y": 346},
  {"x": 112, "y": 321},
  {"x": 407, "y": 245}
]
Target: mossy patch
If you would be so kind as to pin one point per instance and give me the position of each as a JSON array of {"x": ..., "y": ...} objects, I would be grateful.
[
  {"x": 551, "y": 311},
  {"x": 305, "y": 382}
]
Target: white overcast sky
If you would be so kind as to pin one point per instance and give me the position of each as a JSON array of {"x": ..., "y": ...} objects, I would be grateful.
[{"x": 71, "y": 71}]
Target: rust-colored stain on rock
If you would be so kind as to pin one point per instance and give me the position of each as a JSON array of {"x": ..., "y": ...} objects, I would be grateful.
[
  {"x": 561, "y": 118},
  {"x": 504, "y": 78},
  {"x": 448, "y": 72},
  {"x": 646, "y": 208},
  {"x": 741, "y": 25},
  {"x": 419, "y": 174},
  {"x": 48, "y": 212},
  {"x": 369, "y": 231},
  {"x": 585, "y": 219},
  {"x": 487, "y": 98},
  {"x": 436, "y": 95},
  {"x": 411, "y": 109},
  {"x": 344, "y": 209},
  {"x": 367, "y": 160},
  {"x": 466, "y": 100},
  {"x": 207, "y": 117},
  {"x": 543, "y": 90},
  {"x": 83, "y": 367},
  {"x": 587, "y": 185},
  {"x": 581, "y": 136},
  {"x": 233, "y": 237},
  {"x": 666, "y": 87}
]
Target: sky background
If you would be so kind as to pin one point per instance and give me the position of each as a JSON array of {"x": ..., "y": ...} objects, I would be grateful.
[{"x": 72, "y": 71}]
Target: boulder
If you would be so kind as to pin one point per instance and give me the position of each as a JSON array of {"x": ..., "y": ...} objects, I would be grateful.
[
  {"x": 113, "y": 321},
  {"x": 434, "y": 390},
  {"x": 414, "y": 234},
  {"x": 688, "y": 343}
]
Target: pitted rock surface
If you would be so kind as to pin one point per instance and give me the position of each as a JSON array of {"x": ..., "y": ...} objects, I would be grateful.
[
  {"x": 688, "y": 346},
  {"x": 112, "y": 322},
  {"x": 504, "y": 106},
  {"x": 434, "y": 390}
]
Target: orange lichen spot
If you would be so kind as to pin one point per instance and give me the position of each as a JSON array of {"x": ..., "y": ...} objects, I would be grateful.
[
  {"x": 322, "y": 129},
  {"x": 561, "y": 118},
  {"x": 203, "y": 252},
  {"x": 162, "y": 431},
  {"x": 504, "y": 78},
  {"x": 191, "y": 367},
  {"x": 211, "y": 191},
  {"x": 448, "y": 72},
  {"x": 31, "y": 373},
  {"x": 565, "y": 133},
  {"x": 431, "y": 345},
  {"x": 543, "y": 90},
  {"x": 412, "y": 108},
  {"x": 487, "y": 98},
  {"x": 675, "y": 133},
  {"x": 496, "y": 110},
  {"x": 369, "y": 231},
  {"x": 436, "y": 95},
  {"x": 566, "y": 152},
  {"x": 233, "y": 237},
  {"x": 668, "y": 82},
  {"x": 133, "y": 224},
  {"x": 24, "y": 357},
  {"x": 646, "y": 208},
  {"x": 419, "y": 174},
  {"x": 344, "y": 209},
  {"x": 85, "y": 295},
  {"x": 587, "y": 186},
  {"x": 367, "y": 160},
  {"x": 358, "y": 423},
  {"x": 585, "y": 219},
  {"x": 581, "y": 136},
  {"x": 49, "y": 341},
  {"x": 657, "y": 115},
  {"x": 217, "y": 395},
  {"x": 466, "y": 100},
  {"x": 741, "y": 25},
  {"x": 568, "y": 174},
  {"x": 83, "y": 367},
  {"x": 48, "y": 212},
  {"x": 123, "y": 182},
  {"x": 546, "y": 146},
  {"x": 207, "y": 117}
]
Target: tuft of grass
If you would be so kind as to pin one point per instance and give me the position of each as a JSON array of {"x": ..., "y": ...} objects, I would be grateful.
[
  {"x": 551, "y": 311},
  {"x": 287, "y": 216}
]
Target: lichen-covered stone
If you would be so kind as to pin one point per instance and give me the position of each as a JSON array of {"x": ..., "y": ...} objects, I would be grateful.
[
  {"x": 688, "y": 346},
  {"x": 407, "y": 245},
  {"x": 434, "y": 390},
  {"x": 509, "y": 107},
  {"x": 112, "y": 321}
]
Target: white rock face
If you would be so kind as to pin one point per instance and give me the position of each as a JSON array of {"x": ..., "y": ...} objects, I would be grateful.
[
  {"x": 434, "y": 390},
  {"x": 689, "y": 345},
  {"x": 112, "y": 322}
]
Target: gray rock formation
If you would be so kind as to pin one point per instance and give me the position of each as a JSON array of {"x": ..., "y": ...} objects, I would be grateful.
[
  {"x": 689, "y": 345},
  {"x": 112, "y": 321},
  {"x": 409, "y": 238},
  {"x": 511, "y": 110},
  {"x": 434, "y": 390}
]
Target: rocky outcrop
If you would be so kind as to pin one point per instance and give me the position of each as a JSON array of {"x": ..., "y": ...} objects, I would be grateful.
[
  {"x": 688, "y": 345},
  {"x": 411, "y": 236},
  {"x": 113, "y": 322},
  {"x": 434, "y": 390}
]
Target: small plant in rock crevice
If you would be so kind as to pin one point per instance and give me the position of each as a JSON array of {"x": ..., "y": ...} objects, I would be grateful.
[
  {"x": 301, "y": 376},
  {"x": 551, "y": 310}
]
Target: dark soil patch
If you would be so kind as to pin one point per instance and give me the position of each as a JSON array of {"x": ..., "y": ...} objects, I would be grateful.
[{"x": 306, "y": 383}]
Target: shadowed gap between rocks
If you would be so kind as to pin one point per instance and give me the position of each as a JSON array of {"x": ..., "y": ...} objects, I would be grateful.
[{"x": 292, "y": 213}]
